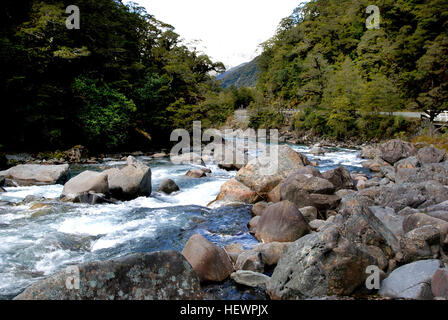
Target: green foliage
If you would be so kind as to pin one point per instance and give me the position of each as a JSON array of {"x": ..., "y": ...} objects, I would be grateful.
[
  {"x": 144, "y": 76},
  {"x": 105, "y": 114},
  {"x": 243, "y": 76},
  {"x": 343, "y": 78}
]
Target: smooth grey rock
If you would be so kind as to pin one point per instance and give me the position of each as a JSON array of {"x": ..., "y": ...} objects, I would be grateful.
[
  {"x": 250, "y": 278},
  {"x": 411, "y": 281},
  {"x": 130, "y": 182},
  {"x": 35, "y": 174},
  {"x": 85, "y": 182}
]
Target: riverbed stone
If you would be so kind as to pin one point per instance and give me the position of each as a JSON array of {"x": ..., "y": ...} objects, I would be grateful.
[
  {"x": 131, "y": 181},
  {"x": 258, "y": 176},
  {"x": 396, "y": 149},
  {"x": 85, "y": 182},
  {"x": 168, "y": 186},
  {"x": 407, "y": 163},
  {"x": 340, "y": 178},
  {"x": 420, "y": 244},
  {"x": 418, "y": 220},
  {"x": 35, "y": 174},
  {"x": 251, "y": 260},
  {"x": 281, "y": 222},
  {"x": 429, "y": 154},
  {"x": 320, "y": 264},
  {"x": 411, "y": 281},
  {"x": 439, "y": 283},
  {"x": 196, "y": 173},
  {"x": 210, "y": 262},
  {"x": 143, "y": 276},
  {"x": 250, "y": 278},
  {"x": 414, "y": 195},
  {"x": 235, "y": 191},
  {"x": 259, "y": 208},
  {"x": 252, "y": 225},
  {"x": 309, "y": 213}
]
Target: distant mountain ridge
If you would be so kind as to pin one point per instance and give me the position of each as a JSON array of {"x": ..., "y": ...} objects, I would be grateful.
[{"x": 244, "y": 75}]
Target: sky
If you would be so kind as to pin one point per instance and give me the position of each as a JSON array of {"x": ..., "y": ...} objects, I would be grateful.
[{"x": 229, "y": 31}]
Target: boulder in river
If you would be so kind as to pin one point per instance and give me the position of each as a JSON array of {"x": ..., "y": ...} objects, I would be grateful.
[
  {"x": 35, "y": 174},
  {"x": 144, "y": 276},
  {"x": 411, "y": 281},
  {"x": 235, "y": 191},
  {"x": 196, "y": 173},
  {"x": 320, "y": 264},
  {"x": 85, "y": 182},
  {"x": 281, "y": 222},
  {"x": 340, "y": 178},
  {"x": 262, "y": 180},
  {"x": 130, "y": 182},
  {"x": 168, "y": 186},
  {"x": 210, "y": 262}
]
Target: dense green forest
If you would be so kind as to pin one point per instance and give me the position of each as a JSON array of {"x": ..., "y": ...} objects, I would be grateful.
[
  {"x": 125, "y": 80},
  {"x": 121, "y": 79},
  {"x": 245, "y": 75},
  {"x": 326, "y": 63}
]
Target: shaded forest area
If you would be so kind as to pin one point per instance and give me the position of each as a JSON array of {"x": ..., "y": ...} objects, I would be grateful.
[{"x": 123, "y": 80}]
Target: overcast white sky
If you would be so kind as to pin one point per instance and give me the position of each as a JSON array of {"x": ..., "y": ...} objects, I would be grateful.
[{"x": 230, "y": 30}]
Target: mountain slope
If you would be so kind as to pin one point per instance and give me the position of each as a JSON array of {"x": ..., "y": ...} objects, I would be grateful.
[{"x": 244, "y": 75}]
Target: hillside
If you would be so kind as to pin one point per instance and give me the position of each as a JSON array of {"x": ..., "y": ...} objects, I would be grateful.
[
  {"x": 244, "y": 75},
  {"x": 342, "y": 76}
]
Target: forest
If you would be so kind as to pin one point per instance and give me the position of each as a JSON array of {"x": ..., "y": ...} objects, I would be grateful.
[
  {"x": 126, "y": 79},
  {"x": 123, "y": 80},
  {"x": 344, "y": 77}
]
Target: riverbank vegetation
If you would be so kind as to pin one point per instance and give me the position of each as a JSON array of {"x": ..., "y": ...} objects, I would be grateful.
[
  {"x": 343, "y": 77},
  {"x": 126, "y": 79}
]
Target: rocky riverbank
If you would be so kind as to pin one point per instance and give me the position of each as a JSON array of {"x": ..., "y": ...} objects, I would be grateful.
[{"x": 318, "y": 232}]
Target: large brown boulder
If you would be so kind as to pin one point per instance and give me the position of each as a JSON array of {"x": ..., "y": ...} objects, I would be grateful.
[
  {"x": 320, "y": 264},
  {"x": 235, "y": 191},
  {"x": 340, "y": 178},
  {"x": 260, "y": 179},
  {"x": 85, "y": 182},
  {"x": 210, "y": 262},
  {"x": 143, "y": 276},
  {"x": 395, "y": 150},
  {"x": 418, "y": 220},
  {"x": 420, "y": 244},
  {"x": 130, "y": 182},
  {"x": 281, "y": 222},
  {"x": 35, "y": 174},
  {"x": 309, "y": 189}
]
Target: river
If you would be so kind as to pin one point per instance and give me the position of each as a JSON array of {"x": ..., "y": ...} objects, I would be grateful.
[{"x": 36, "y": 242}]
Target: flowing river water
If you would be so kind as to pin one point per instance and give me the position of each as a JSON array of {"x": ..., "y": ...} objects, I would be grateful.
[{"x": 37, "y": 241}]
